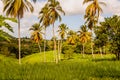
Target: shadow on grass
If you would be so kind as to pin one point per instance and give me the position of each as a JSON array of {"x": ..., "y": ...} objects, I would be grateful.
[{"x": 104, "y": 59}]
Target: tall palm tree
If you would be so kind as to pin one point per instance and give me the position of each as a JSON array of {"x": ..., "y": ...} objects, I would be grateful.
[
  {"x": 93, "y": 9},
  {"x": 84, "y": 36},
  {"x": 16, "y": 8},
  {"x": 37, "y": 34},
  {"x": 62, "y": 33},
  {"x": 44, "y": 20},
  {"x": 92, "y": 13},
  {"x": 54, "y": 9}
]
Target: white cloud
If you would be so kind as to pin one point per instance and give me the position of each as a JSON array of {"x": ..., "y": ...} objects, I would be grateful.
[
  {"x": 112, "y": 6},
  {"x": 37, "y": 7},
  {"x": 1, "y": 7},
  {"x": 101, "y": 18},
  {"x": 71, "y": 7}
]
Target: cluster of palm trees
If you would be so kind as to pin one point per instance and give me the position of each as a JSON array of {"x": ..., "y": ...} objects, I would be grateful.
[{"x": 48, "y": 16}]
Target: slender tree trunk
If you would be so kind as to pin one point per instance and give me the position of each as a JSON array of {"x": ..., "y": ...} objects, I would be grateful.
[
  {"x": 39, "y": 46},
  {"x": 101, "y": 52},
  {"x": 45, "y": 46},
  {"x": 83, "y": 50},
  {"x": 19, "y": 40},
  {"x": 104, "y": 50},
  {"x": 58, "y": 50},
  {"x": 92, "y": 44},
  {"x": 55, "y": 54},
  {"x": 118, "y": 56}
]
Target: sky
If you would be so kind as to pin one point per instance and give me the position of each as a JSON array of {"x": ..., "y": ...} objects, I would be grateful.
[{"x": 74, "y": 17}]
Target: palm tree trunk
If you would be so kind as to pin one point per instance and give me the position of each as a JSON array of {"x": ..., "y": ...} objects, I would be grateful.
[
  {"x": 19, "y": 40},
  {"x": 55, "y": 54},
  {"x": 104, "y": 50},
  {"x": 58, "y": 50},
  {"x": 101, "y": 52},
  {"x": 45, "y": 46},
  {"x": 92, "y": 43},
  {"x": 39, "y": 46},
  {"x": 83, "y": 50}
]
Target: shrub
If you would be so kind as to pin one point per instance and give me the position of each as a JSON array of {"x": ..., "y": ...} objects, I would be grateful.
[{"x": 68, "y": 50}]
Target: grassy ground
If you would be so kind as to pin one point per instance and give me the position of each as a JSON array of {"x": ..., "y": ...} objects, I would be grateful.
[{"x": 77, "y": 68}]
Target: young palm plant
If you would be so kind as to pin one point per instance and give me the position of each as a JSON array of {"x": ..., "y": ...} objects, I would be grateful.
[
  {"x": 37, "y": 34},
  {"x": 16, "y": 8}
]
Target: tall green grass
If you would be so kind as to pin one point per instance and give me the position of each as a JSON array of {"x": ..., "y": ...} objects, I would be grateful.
[{"x": 78, "y": 68}]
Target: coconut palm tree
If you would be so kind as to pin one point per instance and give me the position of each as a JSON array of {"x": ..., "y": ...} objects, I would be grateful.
[
  {"x": 16, "y": 8},
  {"x": 92, "y": 13},
  {"x": 54, "y": 9},
  {"x": 37, "y": 34},
  {"x": 44, "y": 20},
  {"x": 62, "y": 33},
  {"x": 93, "y": 9},
  {"x": 84, "y": 36}
]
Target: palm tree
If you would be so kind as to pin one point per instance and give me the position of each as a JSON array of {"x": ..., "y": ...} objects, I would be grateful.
[
  {"x": 62, "y": 32},
  {"x": 54, "y": 9},
  {"x": 84, "y": 36},
  {"x": 16, "y": 8},
  {"x": 37, "y": 34},
  {"x": 92, "y": 14},
  {"x": 44, "y": 19},
  {"x": 72, "y": 37},
  {"x": 93, "y": 8},
  {"x": 5, "y": 25}
]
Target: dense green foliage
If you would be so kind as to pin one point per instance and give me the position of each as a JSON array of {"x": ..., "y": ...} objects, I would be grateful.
[
  {"x": 28, "y": 47},
  {"x": 111, "y": 29}
]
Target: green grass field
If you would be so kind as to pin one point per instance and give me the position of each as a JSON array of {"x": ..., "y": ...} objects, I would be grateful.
[{"x": 77, "y": 68}]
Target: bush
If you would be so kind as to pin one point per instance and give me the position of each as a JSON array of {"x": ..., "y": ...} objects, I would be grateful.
[
  {"x": 78, "y": 48},
  {"x": 68, "y": 50},
  {"x": 5, "y": 51}
]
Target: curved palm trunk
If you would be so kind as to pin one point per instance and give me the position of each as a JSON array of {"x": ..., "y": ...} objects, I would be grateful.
[
  {"x": 60, "y": 50},
  {"x": 104, "y": 50},
  {"x": 92, "y": 44},
  {"x": 39, "y": 46},
  {"x": 83, "y": 50},
  {"x": 45, "y": 46},
  {"x": 19, "y": 40},
  {"x": 55, "y": 54},
  {"x": 101, "y": 52}
]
